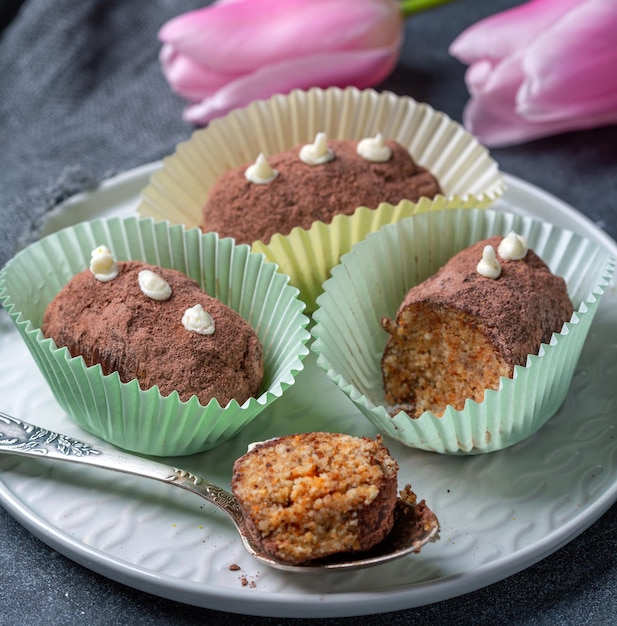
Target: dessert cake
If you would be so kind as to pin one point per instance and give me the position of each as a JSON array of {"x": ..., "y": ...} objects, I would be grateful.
[
  {"x": 307, "y": 496},
  {"x": 158, "y": 326},
  {"x": 312, "y": 182},
  {"x": 459, "y": 331}
]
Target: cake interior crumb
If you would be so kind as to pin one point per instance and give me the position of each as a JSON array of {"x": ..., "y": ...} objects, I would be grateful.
[
  {"x": 427, "y": 370},
  {"x": 307, "y": 497}
]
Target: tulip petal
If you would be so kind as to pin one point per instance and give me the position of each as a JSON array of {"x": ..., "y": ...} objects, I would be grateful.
[
  {"x": 499, "y": 128},
  {"x": 358, "y": 68},
  {"x": 243, "y": 35},
  {"x": 490, "y": 115},
  {"x": 493, "y": 127},
  {"x": 496, "y": 83},
  {"x": 499, "y": 35},
  {"x": 583, "y": 46},
  {"x": 543, "y": 68},
  {"x": 189, "y": 79}
]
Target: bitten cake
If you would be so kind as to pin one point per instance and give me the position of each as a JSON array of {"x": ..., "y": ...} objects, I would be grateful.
[
  {"x": 158, "y": 326},
  {"x": 313, "y": 182},
  {"x": 459, "y": 331},
  {"x": 308, "y": 496}
]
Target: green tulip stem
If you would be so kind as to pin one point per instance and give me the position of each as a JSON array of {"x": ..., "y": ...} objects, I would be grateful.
[{"x": 409, "y": 7}]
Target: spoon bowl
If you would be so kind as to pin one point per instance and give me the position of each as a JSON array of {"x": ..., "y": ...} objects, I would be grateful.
[{"x": 414, "y": 524}]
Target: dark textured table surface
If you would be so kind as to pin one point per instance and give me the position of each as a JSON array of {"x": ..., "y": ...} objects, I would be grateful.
[{"x": 82, "y": 98}]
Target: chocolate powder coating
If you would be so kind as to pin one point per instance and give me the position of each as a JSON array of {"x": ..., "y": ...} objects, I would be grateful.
[
  {"x": 114, "y": 324},
  {"x": 517, "y": 311},
  {"x": 302, "y": 194},
  {"x": 457, "y": 332}
]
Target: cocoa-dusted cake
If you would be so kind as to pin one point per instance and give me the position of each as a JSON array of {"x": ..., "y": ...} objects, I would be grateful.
[
  {"x": 156, "y": 325},
  {"x": 313, "y": 182},
  {"x": 307, "y": 496},
  {"x": 459, "y": 331}
]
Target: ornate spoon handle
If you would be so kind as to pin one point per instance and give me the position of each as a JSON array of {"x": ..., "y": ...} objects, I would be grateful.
[{"x": 23, "y": 439}]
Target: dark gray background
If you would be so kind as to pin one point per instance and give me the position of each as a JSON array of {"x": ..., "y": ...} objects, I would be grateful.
[{"x": 82, "y": 97}]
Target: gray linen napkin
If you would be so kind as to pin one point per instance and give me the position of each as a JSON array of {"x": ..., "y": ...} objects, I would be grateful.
[{"x": 82, "y": 97}]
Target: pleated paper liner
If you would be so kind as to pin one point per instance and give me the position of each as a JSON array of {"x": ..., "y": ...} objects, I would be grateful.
[
  {"x": 468, "y": 175},
  {"x": 370, "y": 283},
  {"x": 122, "y": 413}
]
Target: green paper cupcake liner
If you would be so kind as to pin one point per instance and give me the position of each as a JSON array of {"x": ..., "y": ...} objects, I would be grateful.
[
  {"x": 370, "y": 283},
  {"x": 122, "y": 413},
  {"x": 468, "y": 175}
]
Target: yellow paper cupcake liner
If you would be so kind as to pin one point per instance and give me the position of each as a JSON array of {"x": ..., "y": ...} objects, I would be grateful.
[
  {"x": 468, "y": 175},
  {"x": 370, "y": 283},
  {"x": 122, "y": 413}
]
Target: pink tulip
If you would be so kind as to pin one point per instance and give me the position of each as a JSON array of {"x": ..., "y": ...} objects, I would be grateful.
[
  {"x": 542, "y": 68},
  {"x": 235, "y": 51}
]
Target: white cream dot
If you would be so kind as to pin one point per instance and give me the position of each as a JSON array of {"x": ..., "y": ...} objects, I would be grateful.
[
  {"x": 318, "y": 152},
  {"x": 260, "y": 172},
  {"x": 374, "y": 149},
  {"x": 102, "y": 264},
  {"x": 513, "y": 247},
  {"x": 153, "y": 285},
  {"x": 489, "y": 265},
  {"x": 196, "y": 319}
]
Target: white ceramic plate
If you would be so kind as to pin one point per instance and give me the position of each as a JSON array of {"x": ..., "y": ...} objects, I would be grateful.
[{"x": 499, "y": 512}]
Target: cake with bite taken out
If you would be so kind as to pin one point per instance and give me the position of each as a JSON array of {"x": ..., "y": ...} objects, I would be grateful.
[
  {"x": 308, "y": 496},
  {"x": 458, "y": 332}
]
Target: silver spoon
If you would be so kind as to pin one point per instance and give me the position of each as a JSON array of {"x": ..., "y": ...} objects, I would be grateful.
[{"x": 414, "y": 525}]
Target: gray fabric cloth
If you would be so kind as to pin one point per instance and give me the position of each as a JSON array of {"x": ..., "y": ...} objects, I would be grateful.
[{"x": 82, "y": 97}]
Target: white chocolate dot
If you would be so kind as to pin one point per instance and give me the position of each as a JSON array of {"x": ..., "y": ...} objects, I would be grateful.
[
  {"x": 489, "y": 265},
  {"x": 374, "y": 149},
  {"x": 153, "y": 286},
  {"x": 196, "y": 319},
  {"x": 318, "y": 152},
  {"x": 260, "y": 172},
  {"x": 513, "y": 247},
  {"x": 102, "y": 264}
]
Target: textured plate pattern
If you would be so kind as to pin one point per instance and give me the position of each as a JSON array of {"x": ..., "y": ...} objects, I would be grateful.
[{"x": 500, "y": 512}]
